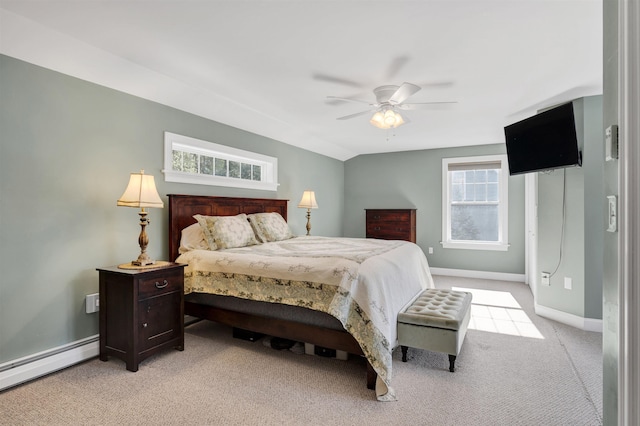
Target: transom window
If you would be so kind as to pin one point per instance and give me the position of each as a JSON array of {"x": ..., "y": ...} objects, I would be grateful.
[
  {"x": 475, "y": 203},
  {"x": 190, "y": 160}
]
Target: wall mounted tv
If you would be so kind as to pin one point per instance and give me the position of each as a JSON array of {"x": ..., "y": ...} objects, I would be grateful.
[{"x": 545, "y": 141}]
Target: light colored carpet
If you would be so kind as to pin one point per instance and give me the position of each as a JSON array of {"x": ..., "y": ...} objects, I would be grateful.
[{"x": 500, "y": 379}]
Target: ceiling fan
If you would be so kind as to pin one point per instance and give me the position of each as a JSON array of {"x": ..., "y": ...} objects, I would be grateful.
[{"x": 390, "y": 100}]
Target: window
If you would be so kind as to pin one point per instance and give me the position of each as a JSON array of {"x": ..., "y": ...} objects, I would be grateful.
[
  {"x": 475, "y": 203},
  {"x": 189, "y": 160}
]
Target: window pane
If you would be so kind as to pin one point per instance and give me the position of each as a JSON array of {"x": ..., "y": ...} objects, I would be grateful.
[
  {"x": 474, "y": 223},
  {"x": 234, "y": 169},
  {"x": 492, "y": 192},
  {"x": 480, "y": 176},
  {"x": 469, "y": 193},
  {"x": 190, "y": 162},
  {"x": 246, "y": 171},
  {"x": 457, "y": 192},
  {"x": 469, "y": 176},
  {"x": 481, "y": 191},
  {"x": 457, "y": 177},
  {"x": 257, "y": 173},
  {"x": 492, "y": 175},
  {"x": 206, "y": 165},
  {"x": 221, "y": 167},
  {"x": 177, "y": 160}
]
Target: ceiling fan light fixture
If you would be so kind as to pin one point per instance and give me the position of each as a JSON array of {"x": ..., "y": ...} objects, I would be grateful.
[
  {"x": 399, "y": 120},
  {"x": 378, "y": 120},
  {"x": 387, "y": 118}
]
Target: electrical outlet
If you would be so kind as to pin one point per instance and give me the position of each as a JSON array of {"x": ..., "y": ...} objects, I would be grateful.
[
  {"x": 92, "y": 302},
  {"x": 430, "y": 250},
  {"x": 546, "y": 278},
  {"x": 568, "y": 283}
]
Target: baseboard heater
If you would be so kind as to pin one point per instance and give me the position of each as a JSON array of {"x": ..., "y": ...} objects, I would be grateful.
[{"x": 31, "y": 367}]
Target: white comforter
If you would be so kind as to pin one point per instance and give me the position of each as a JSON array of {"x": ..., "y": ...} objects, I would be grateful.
[{"x": 362, "y": 282}]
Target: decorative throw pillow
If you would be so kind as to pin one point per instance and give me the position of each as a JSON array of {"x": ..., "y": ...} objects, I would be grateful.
[
  {"x": 192, "y": 238},
  {"x": 224, "y": 232},
  {"x": 270, "y": 227}
]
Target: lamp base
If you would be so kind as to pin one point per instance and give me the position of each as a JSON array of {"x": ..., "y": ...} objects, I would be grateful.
[
  {"x": 156, "y": 264},
  {"x": 308, "y": 221},
  {"x": 143, "y": 259}
]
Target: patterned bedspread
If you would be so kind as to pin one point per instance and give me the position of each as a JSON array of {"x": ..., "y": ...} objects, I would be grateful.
[{"x": 362, "y": 282}]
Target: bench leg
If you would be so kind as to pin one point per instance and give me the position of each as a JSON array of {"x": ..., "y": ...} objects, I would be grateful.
[
  {"x": 404, "y": 353},
  {"x": 452, "y": 362}
]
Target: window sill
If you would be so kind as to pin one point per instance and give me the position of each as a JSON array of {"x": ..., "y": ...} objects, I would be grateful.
[
  {"x": 468, "y": 245},
  {"x": 180, "y": 177}
]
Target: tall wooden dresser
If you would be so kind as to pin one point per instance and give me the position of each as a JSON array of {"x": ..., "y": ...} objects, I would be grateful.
[{"x": 391, "y": 224}]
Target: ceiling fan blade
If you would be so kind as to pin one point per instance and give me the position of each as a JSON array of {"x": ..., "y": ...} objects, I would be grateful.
[
  {"x": 350, "y": 100},
  {"x": 424, "y": 105},
  {"x": 403, "y": 93},
  {"x": 395, "y": 66},
  {"x": 357, "y": 114},
  {"x": 338, "y": 80}
]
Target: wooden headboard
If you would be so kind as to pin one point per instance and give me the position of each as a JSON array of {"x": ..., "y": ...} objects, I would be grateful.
[{"x": 183, "y": 207}]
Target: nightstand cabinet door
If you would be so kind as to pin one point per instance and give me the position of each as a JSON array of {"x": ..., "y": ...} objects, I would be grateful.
[
  {"x": 158, "y": 320},
  {"x": 391, "y": 224},
  {"x": 141, "y": 312}
]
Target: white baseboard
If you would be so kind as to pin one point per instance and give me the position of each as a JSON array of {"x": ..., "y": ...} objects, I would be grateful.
[
  {"x": 31, "y": 367},
  {"x": 484, "y": 275},
  {"x": 586, "y": 324}
]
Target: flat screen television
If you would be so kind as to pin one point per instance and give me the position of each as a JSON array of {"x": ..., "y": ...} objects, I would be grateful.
[{"x": 546, "y": 141}]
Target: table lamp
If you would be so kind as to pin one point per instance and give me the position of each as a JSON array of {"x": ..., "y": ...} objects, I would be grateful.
[
  {"x": 308, "y": 202},
  {"x": 141, "y": 192}
]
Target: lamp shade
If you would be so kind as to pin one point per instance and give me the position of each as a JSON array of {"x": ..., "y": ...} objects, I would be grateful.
[
  {"x": 308, "y": 200},
  {"x": 141, "y": 192}
]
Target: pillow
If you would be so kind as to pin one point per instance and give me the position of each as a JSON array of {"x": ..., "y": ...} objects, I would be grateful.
[
  {"x": 192, "y": 238},
  {"x": 223, "y": 232},
  {"x": 270, "y": 227}
]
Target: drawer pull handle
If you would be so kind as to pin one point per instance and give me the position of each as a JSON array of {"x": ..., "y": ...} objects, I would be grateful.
[
  {"x": 377, "y": 228},
  {"x": 376, "y": 217},
  {"x": 163, "y": 285},
  {"x": 145, "y": 325}
]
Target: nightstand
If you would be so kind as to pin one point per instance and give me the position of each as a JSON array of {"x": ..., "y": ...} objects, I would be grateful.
[{"x": 141, "y": 312}]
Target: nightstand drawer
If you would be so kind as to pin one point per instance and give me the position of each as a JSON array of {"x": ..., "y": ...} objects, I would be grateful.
[
  {"x": 389, "y": 232},
  {"x": 387, "y": 216},
  {"x": 162, "y": 284}
]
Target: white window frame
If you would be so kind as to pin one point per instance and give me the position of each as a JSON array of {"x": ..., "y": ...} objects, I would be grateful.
[
  {"x": 503, "y": 205},
  {"x": 268, "y": 165}
]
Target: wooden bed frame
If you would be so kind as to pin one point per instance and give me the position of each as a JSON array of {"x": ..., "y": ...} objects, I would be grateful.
[{"x": 181, "y": 211}]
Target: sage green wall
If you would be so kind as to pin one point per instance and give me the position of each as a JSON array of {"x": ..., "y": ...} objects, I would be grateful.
[
  {"x": 67, "y": 148},
  {"x": 550, "y": 189},
  {"x": 610, "y": 289},
  {"x": 594, "y": 199},
  {"x": 581, "y": 255},
  {"x": 413, "y": 179}
]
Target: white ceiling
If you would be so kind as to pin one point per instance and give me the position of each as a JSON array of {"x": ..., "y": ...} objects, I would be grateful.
[{"x": 268, "y": 66}]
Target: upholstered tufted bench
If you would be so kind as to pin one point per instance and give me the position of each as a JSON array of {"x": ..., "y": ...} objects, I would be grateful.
[{"x": 436, "y": 320}]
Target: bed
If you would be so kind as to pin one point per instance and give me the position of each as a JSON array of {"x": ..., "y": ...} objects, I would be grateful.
[{"x": 317, "y": 290}]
